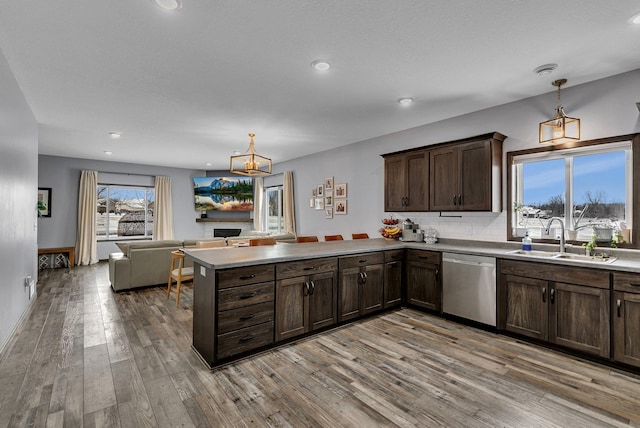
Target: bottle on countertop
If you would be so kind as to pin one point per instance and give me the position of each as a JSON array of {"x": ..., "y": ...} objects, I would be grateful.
[{"x": 526, "y": 242}]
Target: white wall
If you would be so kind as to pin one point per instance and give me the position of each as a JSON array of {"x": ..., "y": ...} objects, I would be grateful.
[
  {"x": 18, "y": 193},
  {"x": 606, "y": 108},
  {"x": 63, "y": 176}
]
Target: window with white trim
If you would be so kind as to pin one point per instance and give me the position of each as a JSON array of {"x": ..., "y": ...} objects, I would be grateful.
[
  {"x": 274, "y": 220},
  {"x": 124, "y": 212}
]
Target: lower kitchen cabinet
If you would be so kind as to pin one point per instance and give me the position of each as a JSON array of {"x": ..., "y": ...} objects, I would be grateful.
[
  {"x": 565, "y": 306},
  {"x": 424, "y": 288},
  {"x": 392, "y": 293},
  {"x": 305, "y": 303},
  {"x": 361, "y": 284},
  {"x": 626, "y": 318}
]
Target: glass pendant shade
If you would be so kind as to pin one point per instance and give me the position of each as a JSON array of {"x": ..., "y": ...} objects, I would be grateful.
[
  {"x": 250, "y": 163},
  {"x": 562, "y": 128}
]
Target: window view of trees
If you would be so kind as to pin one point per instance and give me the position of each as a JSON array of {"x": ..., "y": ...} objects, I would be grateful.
[{"x": 124, "y": 211}]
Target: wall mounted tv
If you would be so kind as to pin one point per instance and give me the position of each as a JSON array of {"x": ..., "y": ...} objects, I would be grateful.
[{"x": 223, "y": 193}]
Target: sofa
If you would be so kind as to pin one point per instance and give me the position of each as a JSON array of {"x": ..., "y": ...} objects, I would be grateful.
[{"x": 145, "y": 263}]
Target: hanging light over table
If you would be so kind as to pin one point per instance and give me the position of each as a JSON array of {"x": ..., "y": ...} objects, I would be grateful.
[
  {"x": 562, "y": 128},
  {"x": 250, "y": 163}
]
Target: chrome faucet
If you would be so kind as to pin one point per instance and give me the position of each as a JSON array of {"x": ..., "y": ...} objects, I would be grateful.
[{"x": 561, "y": 231}]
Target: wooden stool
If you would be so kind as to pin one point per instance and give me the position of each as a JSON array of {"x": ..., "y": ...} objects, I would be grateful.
[
  {"x": 179, "y": 273},
  {"x": 359, "y": 236},
  {"x": 262, "y": 241},
  {"x": 300, "y": 239},
  {"x": 333, "y": 238}
]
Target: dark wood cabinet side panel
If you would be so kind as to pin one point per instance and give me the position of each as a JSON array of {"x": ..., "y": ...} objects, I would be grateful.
[{"x": 204, "y": 309}]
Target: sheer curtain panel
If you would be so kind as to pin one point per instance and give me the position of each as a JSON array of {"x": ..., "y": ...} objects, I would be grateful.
[
  {"x": 163, "y": 213},
  {"x": 86, "y": 244},
  {"x": 287, "y": 204},
  {"x": 258, "y": 203}
]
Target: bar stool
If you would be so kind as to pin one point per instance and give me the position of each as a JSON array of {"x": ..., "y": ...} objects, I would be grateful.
[
  {"x": 300, "y": 239},
  {"x": 333, "y": 238},
  {"x": 211, "y": 244},
  {"x": 261, "y": 241},
  {"x": 359, "y": 236},
  {"x": 179, "y": 273}
]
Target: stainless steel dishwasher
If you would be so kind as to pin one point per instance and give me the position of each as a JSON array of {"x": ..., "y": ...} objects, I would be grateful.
[{"x": 469, "y": 287}]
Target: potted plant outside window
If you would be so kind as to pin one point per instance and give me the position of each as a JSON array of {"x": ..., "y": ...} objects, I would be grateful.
[{"x": 578, "y": 215}]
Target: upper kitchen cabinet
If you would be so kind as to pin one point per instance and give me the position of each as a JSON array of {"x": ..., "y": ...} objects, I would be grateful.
[
  {"x": 406, "y": 178},
  {"x": 467, "y": 175}
]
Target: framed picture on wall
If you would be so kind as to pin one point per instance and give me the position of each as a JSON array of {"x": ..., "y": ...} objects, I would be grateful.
[
  {"x": 328, "y": 199},
  {"x": 312, "y": 203},
  {"x": 328, "y": 213},
  {"x": 319, "y": 203},
  {"x": 44, "y": 201},
  {"x": 320, "y": 191},
  {"x": 340, "y": 207},
  {"x": 340, "y": 190},
  {"x": 328, "y": 183}
]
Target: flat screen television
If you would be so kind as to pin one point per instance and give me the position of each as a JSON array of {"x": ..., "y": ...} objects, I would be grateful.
[{"x": 223, "y": 193}]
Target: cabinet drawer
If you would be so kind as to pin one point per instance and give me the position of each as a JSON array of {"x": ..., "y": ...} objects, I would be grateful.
[
  {"x": 245, "y": 339},
  {"x": 245, "y": 317},
  {"x": 393, "y": 255},
  {"x": 430, "y": 257},
  {"x": 246, "y": 295},
  {"x": 567, "y": 274},
  {"x": 306, "y": 267},
  {"x": 361, "y": 260},
  {"x": 245, "y": 275},
  {"x": 628, "y": 282}
]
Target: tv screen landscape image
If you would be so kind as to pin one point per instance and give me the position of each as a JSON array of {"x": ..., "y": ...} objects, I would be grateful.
[{"x": 223, "y": 193}]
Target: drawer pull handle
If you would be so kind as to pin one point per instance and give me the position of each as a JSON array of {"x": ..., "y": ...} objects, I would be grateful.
[
  {"x": 309, "y": 268},
  {"x": 248, "y": 295},
  {"x": 247, "y": 338},
  {"x": 392, "y": 264},
  {"x": 544, "y": 294},
  {"x": 246, "y": 317},
  {"x": 305, "y": 290},
  {"x": 552, "y": 296},
  {"x": 362, "y": 261},
  {"x": 618, "y": 304},
  {"x": 253, "y": 275},
  {"x": 313, "y": 288}
]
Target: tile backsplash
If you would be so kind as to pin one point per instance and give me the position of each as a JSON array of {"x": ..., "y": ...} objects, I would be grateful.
[{"x": 480, "y": 226}]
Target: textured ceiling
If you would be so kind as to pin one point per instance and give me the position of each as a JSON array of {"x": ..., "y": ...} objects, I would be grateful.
[{"x": 186, "y": 87}]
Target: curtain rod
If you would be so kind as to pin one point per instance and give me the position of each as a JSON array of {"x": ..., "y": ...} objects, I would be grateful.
[{"x": 125, "y": 173}]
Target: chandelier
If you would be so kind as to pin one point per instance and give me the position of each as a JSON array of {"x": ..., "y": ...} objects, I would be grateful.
[
  {"x": 562, "y": 128},
  {"x": 250, "y": 163}
]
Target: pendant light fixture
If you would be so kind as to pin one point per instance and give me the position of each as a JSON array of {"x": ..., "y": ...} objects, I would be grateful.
[
  {"x": 562, "y": 128},
  {"x": 250, "y": 163}
]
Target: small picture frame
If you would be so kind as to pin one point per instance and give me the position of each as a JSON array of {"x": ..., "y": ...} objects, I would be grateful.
[
  {"x": 328, "y": 213},
  {"x": 340, "y": 207},
  {"x": 312, "y": 202},
  {"x": 328, "y": 183},
  {"x": 340, "y": 190},
  {"x": 319, "y": 203},
  {"x": 314, "y": 191},
  {"x": 320, "y": 191},
  {"x": 44, "y": 201},
  {"x": 328, "y": 199}
]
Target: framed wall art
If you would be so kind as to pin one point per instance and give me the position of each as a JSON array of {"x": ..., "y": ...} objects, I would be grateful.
[
  {"x": 340, "y": 207},
  {"x": 44, "y": 201},
  {"x": 328, "y": 213},
  {"x": 328, "y": 183},
  {"x": 319, "y": 203},
  {"x": 320, "y": 191},
  {"x": 340, "y": 190}
]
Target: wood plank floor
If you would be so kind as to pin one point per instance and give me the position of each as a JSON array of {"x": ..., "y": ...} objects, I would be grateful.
[{"x": 86, "y": 356}]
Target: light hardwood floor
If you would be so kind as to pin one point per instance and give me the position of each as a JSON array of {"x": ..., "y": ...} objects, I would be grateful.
[{"x": 86, "y": 356}]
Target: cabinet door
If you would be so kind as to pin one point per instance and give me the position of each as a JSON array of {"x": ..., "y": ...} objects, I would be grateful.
[
  {"x": 322, "y": 301},
  {"x": 392, "y": 284},
  {"x": 417, "y": 188},
  {"x": 626, "y": 328},
  {"x": 474, "y": 169},
  {"x": 579, "y": 318},
  {"x": 349, "y": 289},
  {"x": 395, "y": 183},
  {"x": 292, "y": 307},
  {"x": 372, "y": 288},
  {"x": 526, "y": 309},
  {"x": 423, "y": 285},
  {"x": 443, "y": 179}
]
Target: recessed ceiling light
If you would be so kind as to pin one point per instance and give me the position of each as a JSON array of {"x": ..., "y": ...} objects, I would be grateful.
[
  {"x": 405, "y": 101},
  {"x": 321, "y": 65},
  {"x": 545, "y": 70},
  {"x": 115, "y": 134},
  {"x": 635, "y": 19},
  {"x": 169, "y": 4},
  {"x": 108, "y": 152},
  {"x": 208, "y": 164}
]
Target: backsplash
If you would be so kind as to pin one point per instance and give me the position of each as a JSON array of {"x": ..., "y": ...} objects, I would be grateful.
[{"x": 468, "y": 225}]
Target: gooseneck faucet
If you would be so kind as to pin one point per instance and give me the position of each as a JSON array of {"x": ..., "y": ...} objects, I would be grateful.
[{"x": 561, "y": 231}]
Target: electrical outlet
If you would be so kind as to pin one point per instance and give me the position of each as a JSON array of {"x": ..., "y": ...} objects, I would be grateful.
[
  {"x": 27, "y": 281},
  {"x": 203, "y": 271},
  {"x": 32, "y": 289}
]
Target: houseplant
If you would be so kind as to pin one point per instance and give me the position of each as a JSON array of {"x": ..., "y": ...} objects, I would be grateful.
[
  {"x": 591, "y": 244},
  {"x": 572, "y": 233}
]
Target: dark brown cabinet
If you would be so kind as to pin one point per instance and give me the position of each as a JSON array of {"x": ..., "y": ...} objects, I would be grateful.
[
  {"x": 406, "y": 178},
  {"x": 561, "y": 305},
  {"x": 393, "y": 272},
  {"x": 466, "y": 176},
  {"x": 424, "y": 288},
  {"x": 305, "y": 297},
  {"x": 626, "y": 318},
  {"x": 361, "y": 284}
]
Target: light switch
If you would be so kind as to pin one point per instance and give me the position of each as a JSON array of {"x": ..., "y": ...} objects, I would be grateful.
[{"x": 203, "y": 271}]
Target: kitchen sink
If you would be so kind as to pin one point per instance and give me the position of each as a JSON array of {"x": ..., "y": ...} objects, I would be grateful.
[{"x": 564, "y": 256}]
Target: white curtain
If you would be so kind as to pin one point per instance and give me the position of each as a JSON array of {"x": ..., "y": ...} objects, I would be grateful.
[
  {"x": 258, "y": 203},
  {"x": 86, "y": 243},
  {"x": 163, "y": 213},
  {"x": 288, "y": 204}
]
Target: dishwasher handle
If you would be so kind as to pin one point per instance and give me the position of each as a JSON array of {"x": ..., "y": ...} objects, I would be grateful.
[{"x": 469, "y": 263}]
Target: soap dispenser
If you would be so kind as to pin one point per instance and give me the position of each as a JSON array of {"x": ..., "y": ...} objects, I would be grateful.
[{"x": 526, "y": 242}]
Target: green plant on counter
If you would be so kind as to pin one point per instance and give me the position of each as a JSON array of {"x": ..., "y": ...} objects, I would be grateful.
[{"x": 591, "y": 244}]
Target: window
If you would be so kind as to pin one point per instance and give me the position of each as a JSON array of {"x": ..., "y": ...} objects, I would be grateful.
[
  {"x": 124, "y": 211},
  {"x": 590, "y": 187},
  {"x": 274, "y": 220}
]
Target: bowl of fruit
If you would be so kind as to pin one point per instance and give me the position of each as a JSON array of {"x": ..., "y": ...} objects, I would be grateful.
[{"x": 391, "y": 230}]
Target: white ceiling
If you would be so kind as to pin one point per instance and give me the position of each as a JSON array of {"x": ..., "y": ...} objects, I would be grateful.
[{"x": 186, "y": 87}]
